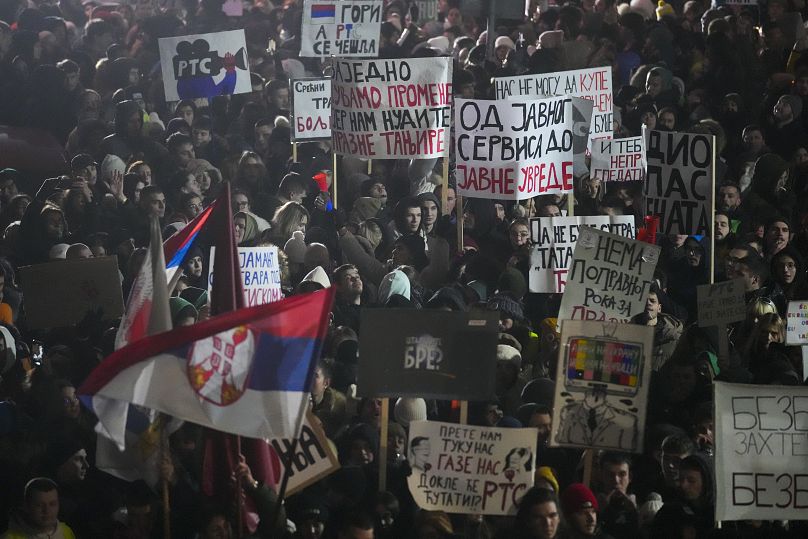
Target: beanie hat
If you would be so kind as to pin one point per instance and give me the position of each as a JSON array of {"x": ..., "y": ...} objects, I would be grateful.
[
  {"x": 395, "y": 282},
  {"x": 295, "y": 247},
  {"x": 504, "y": 41},
  {"x": 539, "y": 391},
  {"x": 648, "y": 510},
  {"x": 546, "y": 473},
  {"x": 319, "y": 276},
  {"x": 508, "y": 422},
  {"x": 440, "y": 44},
  {"x": 111, "y": 163},
  {"x": 447, "y": 296},
  {"x": 80, "y": 161},
  {"x": 644, "y": 7},
  {"x": 512, "y": 281},
  {"x": 509, "y": 354},
  {"x": 507, "y": 305},
  {"x": 415, "y": 245},
  {"x": 795, "y": 102},
  {"x": 409, "y": 409},
  {"x": 576, "y": 497}
]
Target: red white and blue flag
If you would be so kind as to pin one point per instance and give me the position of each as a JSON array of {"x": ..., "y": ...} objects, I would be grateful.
[
  {"x": 246, "y": 372},
  {"x": 323, "y": 13},
  {"x": 176, "y": 247}
]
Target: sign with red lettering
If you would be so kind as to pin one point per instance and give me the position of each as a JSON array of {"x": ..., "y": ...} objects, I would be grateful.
[
  {"x": 553, "y": 241},
  {"x": 594, "y": 84},
  {"x": 515, "y": 149},
  {"x": 347, "y": 28},
  {"x": 609, "y": 279},
  {"x": 679, "y": 183},
  {"x": 392, "y": 108},
  {"x": 761, "y": 452},
  {"x": 469, "y": 469},
  {"x": 260, "y": 273},
  {"x": 311, "y": 108},
  {"x": 618, "y": 160}
]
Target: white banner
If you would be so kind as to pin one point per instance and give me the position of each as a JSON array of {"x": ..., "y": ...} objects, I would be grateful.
[
  {"x": 594, "y": 84},
  {"x": 392, "y": 108},
  {"x": 761, "y": 452},
  {"x": 618, "y": 160},
  {"x": 797, "y": 323},
  {"x": 553, "y": 240},
  {"x": 609, "y": 279},
  {"x": 679, "y": 183},
  {"x": 348, "y": 28},
  {"x": 468, "y": 469},
  {"x": 311, "y": 108},
  {"x": 260, "y": 273},
  {"x": 515, "y": 149},
  {"x": 601, "y": 391},
  {"x": 205, "y": 65}
]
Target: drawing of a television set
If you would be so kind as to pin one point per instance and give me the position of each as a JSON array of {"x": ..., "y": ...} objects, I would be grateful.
[{"x": 615, "y": 366}]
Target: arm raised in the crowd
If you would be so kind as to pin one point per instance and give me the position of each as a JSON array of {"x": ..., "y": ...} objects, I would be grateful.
[{"x": 353, "y": 253}]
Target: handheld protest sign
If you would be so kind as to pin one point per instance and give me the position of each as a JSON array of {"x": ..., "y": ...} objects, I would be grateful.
[
  {"x": 205, "y": 65},
  {"x": 602, "y": 382},
  {"x": 609, "y": 279},
  {"x": 618, "y": 160},
  {"x": 679, "y": 181},
  {"x": 429, "y": 354},
  {"x": 468, "y": 469},
  {"x": 392, "y": 108},
  {"x": 62, "y": 293},
  {"x": 553, "y": 241},
  {"x": 721, "y": 304},
  {"x": 346, "y": 28},
  {"x": 260, "y": 273},
  {"x": 760, "y": 451},
  {"x": 311, "y": 108},
  {"x": 797, "y": 330}
]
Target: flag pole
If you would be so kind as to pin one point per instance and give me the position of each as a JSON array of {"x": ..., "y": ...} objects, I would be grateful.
[
  {"x": 370, "y": 167},
  {"x": 459, "y": 212},
  {"x": 334, "y": 175},
  {"x": 165, "y": 453},
  {"x": 239, "y": 501},
  {"x": 385, "y": 420},
  {"x": 294, "y": 151},
  {"x": 444, "y": 191}
]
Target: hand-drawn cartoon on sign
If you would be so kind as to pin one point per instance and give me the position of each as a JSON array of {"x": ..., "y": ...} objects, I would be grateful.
[
  {"x": 602, "y": 389},
  {"x": 471, "y": 470},
  {"x": 615, "y": 274},
  {"x": 205, "y": 65},
  {"x": 260, "y": 273},
  {"x": 427, "y": 354},
  {"x": 761, "y": 452},
  {"x": 594, "y": 84},
  {"x": 618, "y": 160},
  {"x": 350, "y": 28},
  {"x": 311, "y": 108},
  {"x": 679, "y": 183},
  {"x": 553, "y": 240},
  {"x": 514, "y": 149},
  {"x": 392, "y": 108}
]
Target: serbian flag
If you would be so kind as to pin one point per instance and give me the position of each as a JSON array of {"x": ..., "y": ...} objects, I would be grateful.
[
  {"x": 323, "y": 13},
  {"x": 176, "y": 247},
  {"x": 246, "y": 372}
]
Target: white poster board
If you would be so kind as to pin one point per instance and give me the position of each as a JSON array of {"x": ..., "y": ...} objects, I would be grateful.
[
  {"x": 553, "y": 241},
  {"x": 515, "y": 149},
  {"x": 618, "y": 160},
  {"x": 797, "y": 323},
  {"x": 468, "y": 469},
  {"x": 392, "y": 108},
  {"x": 260, "y": 273},
  {"x": 311, "y": 108},
  {"x": 205, "y": 65},
  {"x": 603, "y": 376},
  {"x": 345, "y": 29},
  {"x": 721, "y": 303},
  {"x": 761, "y": 452},
  {"x": 609, "y": 279}
]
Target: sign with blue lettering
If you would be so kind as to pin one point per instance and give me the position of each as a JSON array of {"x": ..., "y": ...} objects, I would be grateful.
[{"x": 260, "y": 273}]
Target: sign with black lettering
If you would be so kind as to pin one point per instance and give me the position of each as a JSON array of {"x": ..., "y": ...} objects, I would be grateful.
[
  {"x": 430, "y": 354},
  {"x": 515, "y": 149},
  {"x": 721, "y": 303},
  {"x": 594, "y": 84},
  {"x": 313, "y": 458},
  {"x": 553, "y": 241},
  {"x": 392, "y": 108},
  {"x": 205, "y": 65},
  {"x": 797, "y": 323},
  {"x": 761, "y": 452},
  {"x": 679, "y": 182},
  {"x": 618, "y": 160},
  {"x": 468, "y": 469},
  {"x": 603, "y": 375},
  {"x": 311, "y": 108},
  {"x": 347, "y": 28},
  {"x": 609, "y": 279}
]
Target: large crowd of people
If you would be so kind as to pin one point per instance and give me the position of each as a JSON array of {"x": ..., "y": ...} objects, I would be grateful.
[{"x": 88, "y": 74}]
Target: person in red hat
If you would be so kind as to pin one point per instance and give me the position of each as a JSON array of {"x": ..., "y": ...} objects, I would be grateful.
[{"x": 580, "y": 509}]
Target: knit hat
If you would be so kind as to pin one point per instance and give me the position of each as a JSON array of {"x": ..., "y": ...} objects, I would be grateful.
[
  {"x": 319, "y": 276},
  {"x": 111, "y": 164},
  {"x": 795, "y": 102},
  {"x": 576, "y": 497},
  {"x": 507, "y": 305},
  {"x": 540, "y": 391},
  {"x": 295, "y": 247},
  {"x": 512, "y": 281},
  {"x": 417, "y": 248},
  {"x": 61, "y": 449},
  {"x": 440, "y": 44},
  {"x": 504, "y": 41},
  {"x": 409, "y": 409},
  {"x": 80, "y": 161},
  {"x": 509, "y": 354},
  {"x": 395, "y": 282},
  {"x": 447, "y": 297},
  {"x": 648, "y": 510},
  {"x": 546, "y": 473}
]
